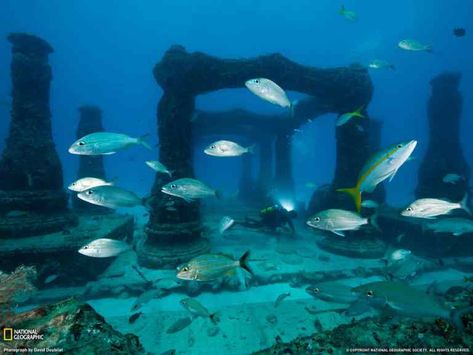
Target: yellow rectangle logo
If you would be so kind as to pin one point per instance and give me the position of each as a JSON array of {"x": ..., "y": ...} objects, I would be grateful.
[{"x": 7, "y": 334}]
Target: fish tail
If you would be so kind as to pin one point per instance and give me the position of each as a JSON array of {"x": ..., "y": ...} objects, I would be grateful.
[
  {"x": 214, "y": 317},
  {"x": 373, "y": 220},
  {"x": 251, "y": 149},
  {"x": 456, "y": 317},
  {"x": 358, "y": 113},
  {"x": 170, "y": 172},
  {"x": 142, "y": 140},
  {"x": 428, "y": 48},
  {"x": 464, "y": 204},
  {"x": 355, "y": 194},
  {"x": 218, "y": 194},
  {"x": 244, "y": 262},
  {"x": 342, "y": 9}
]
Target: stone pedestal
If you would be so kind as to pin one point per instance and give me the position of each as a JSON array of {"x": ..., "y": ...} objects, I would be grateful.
[
  {"x": 90, "y": 121},
  {"x": 283, "y": 180},
  {"x": 32, "y": 198},
  {"x": 444, "y": 154}
]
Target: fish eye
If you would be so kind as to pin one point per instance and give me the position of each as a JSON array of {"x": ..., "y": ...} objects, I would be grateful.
[
  {"x": 399, "y": 145},
  {"x": 86, "y": 247},
  {"x": 316, "y": 290},
  {"x": 370, "y": 293},
  {"x": 317, "y": 219},
  {"x": 256, "y": 81},
  {"x": 81, "y": 143},
  {"x": 173, "y": 186},
  {"x": 409, "y": 209},
  {"x": 89, "y": 192},
  {"x": 185, "y": 268},
  {"x": 213, "y": 147}
]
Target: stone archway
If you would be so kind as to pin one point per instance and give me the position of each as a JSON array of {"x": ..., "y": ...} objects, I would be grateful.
[{"x": 174, "y": 234}]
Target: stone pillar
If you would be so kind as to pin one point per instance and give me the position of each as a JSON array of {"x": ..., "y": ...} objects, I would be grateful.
[
  {"x": 90, "y": 121},
  {"x": 246, "y": 185},
  {"x": 353, "y": 150},
  {"x": 265, "y": 172},
  {"x": 375, "y": 130},
  {"x": 444, "y": 154},
  {"x": 283, "y": 180},
  {"x": 174, "y": 228},
  {"x": 31, "y": 179}
]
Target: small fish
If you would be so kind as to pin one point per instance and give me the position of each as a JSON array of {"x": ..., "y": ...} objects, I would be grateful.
[
  {"x": 455, "y": 226},
  {"x": 349, "y": 115},
  {"x": 281, "y": 298},
  {"x": 50, "y": 278},
  {"x": 337, "y": 221},
  {"x": 87, "y": 183},
  {"x": 105, "y": 143},
  {"x": 198, "y": 310},
  {"x": 459, "y": 32},
  {"x": 188, "y": 189},
  {"x": 369, "y": 204},
  {"x": 332, "y": 291},
  {"x": 111, "y": 197},
  {"x": 179, "y": 325},
  {"x": 104, "y": 248},
  {"x": 225, "y": 223},
  {"x": 399, "y": 254},
  {"x": 452, "y": 178},
  {"x": 159, "y": 167},
  {"x": 209, "y": 267},
  {"x": 268, "y": 90},
  {"x": 383, "y": 165},
  {"x": 145, "y": 297},
  {"x": 433, "y": 207},
  {"x": 225, "y": 149},
  {"x": 413, "y": 45},
  {"x": 348, "y": 14},
  {"x": 381, "y": 64},
  {"x": 134, "y": 317}
]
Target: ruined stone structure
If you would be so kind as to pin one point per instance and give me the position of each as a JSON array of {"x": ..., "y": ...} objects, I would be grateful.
[
  {"x": 89, "y": 166},
  {"x": 444, "y": 154},
  {"x": 174, "y": 229},
  {"x": 32, "y": 198}
]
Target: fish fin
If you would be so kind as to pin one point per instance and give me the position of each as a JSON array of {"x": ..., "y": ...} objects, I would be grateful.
[
  {"x": 170, "y": 172},
  {"x": 341, "y": 234},
  {"x": 358, "y": 113},
  {"x": 341, "y": 121},
  {"x": 251, "y": 149},
  {"x": 214, "y": 317},
  {"x": 142, "y": 140},
  {"x": 244, "y": 262},
  {"x": 373, "y": 220},
  {"x": 464, "y": 204},
  {"x": 392, "y": 175},
  {"x": 342, "y": 9},
  {"x": 188, "y": 200},
  {"x": 428, "y": 48},
  {"x": 355, "y": 194},
  {"x": 218, "y": 194},
  {"x": 456, "y": 317},
  {"x": 109, "y": 153},
  {"x": 292, "y": 108}
]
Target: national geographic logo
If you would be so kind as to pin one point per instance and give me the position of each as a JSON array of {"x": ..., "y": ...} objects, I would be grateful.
[{"x": 10, "y": 334}]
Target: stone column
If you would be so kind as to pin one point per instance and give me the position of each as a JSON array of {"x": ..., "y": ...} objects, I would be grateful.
[
  {"x": 444, "y": 154},
  {"x": 174, "y": 228},
  {"x": 353, "y": 150},
  {"x": 265, "y": 172},
  {"x": 246, "y": 185},
  {"x": 375, "y": 131},
  {"x": 284, "y": 181},
  {"x": 90, "y": 121},
  {"x": 31, "y": 179}
]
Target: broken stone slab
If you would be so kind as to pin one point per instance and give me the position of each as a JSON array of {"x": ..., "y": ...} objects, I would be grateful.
[{"x": 72, "y": 327}]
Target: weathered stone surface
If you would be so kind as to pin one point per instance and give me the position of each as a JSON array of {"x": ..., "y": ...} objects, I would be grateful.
[
  {"x": 30, "y": 171},
  {"x": 354, "y": 246},
  {"x": 73, "y": 327},
  {"x": 444, "y": 154}
]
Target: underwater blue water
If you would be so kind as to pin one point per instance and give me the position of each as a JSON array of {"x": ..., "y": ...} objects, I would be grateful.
[{"x": 104, "y": 55}]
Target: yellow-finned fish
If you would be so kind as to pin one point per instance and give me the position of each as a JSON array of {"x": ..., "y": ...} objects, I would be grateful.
[
  {"x": 348, "y": 14},
  {"x": 381, "y": 166},
  {"x": 349, "y": 115}
]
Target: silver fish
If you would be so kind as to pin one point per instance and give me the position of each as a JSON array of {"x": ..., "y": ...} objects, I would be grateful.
[
  {"x": 209, "y": 267},
  {"x": 381, "y": 64},
  {"x": 87, "y": 183},
  {"x": 332, "y": 291},
  {"x": 197, "y": 309},
  {"x": 225, "y": 148},
  {"x": 268, "y": 90},
  {"x": 225, "y": 223},
  {"x": 104, "y": 248},
  {"x": 337, "y": 221},
  {"x": 105, "y": 143},
  {"x": 455, "y": 226},
  {"x": 188, "y": 189},
  {"x": 281, "y": 298},
  {"x": 179, "y": 325},
  {"x": 433, "y": 207},
  {"x": 159, "y": 167},
  {"x": 110, "y": 196},
  {"x": 413, "y": 45},
  {"x": 452, "y": 178}
]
